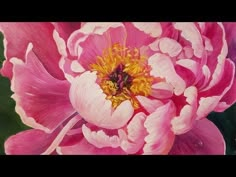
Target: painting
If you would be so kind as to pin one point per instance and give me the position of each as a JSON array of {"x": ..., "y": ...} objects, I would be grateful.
[{"x": 117, "y": 88}]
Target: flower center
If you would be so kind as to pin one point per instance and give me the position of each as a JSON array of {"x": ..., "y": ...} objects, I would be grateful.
[{"x": 123, "y": 74}]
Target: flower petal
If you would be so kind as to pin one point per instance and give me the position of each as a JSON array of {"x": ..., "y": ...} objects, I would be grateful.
[
  {"x": 162, "y": 66},
  {"x": 170, "y": 46},
  {"x": 228, "y": 99},
  {"x": 209, "y": 99},
  {"x": 29, "y": 142},
  {"x": 61, "y": 135},
  {"x": 141, "y": 34},
  {"x": 162, "y": 90},
  {"x": 42, "y": 101},
  {"x": 149, "y": 104},
  {"x": 160, "y": 137},
  {"x": 203, "y": 139},
  {"x": 100, "y": 139},
  {"x": 230, "y": 29},
  {"x": 77, "y": 145},
  {"x": 190, "y": 32},
  {"x": 89, "y": 100},
  {"x": 136, "y": 133},
  {"x": 19, "y": 35},
  {"x": 215, "y": 61},
  {"x": 66, "y": 28},
  {"x": 185, "y": 120}
]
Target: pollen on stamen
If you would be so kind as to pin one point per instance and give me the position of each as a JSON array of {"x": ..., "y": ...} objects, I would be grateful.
[{"x": 123, "y": 73}]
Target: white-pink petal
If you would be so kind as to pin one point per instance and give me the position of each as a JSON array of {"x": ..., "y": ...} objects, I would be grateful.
[
  {"x": 170, "y": 46},
  {"x": 162, "y": 66},
  {"x": 160, "y": 137},
  {"x": 149, "y": 104},
  {"x": 184, "y": 122},
  {"x": 136, "y": 133},
  {"x": 162, "y": 90},
  {"x": 100, "y": 139},
  {"x": 89, "y": 100},
  {"x": 190, "y": 32},
  {"x": 154, "y": 28}
]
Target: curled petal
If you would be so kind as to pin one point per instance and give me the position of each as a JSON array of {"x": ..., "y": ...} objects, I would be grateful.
[
  {"x": 89, "y": 100},
  {"x": 160, "y": 136}
]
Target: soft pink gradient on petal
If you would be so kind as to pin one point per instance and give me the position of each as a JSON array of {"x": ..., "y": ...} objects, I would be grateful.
[
  {"x": 58, "y": 139},
  {"x": 95, "y": 44},
  {"x": 162, "y": 90},
  {"x": 203, "y": 139},
  {"x": 66, "y": 28},
  {"x": 189, "y": 67},
  {"x": 184, "y": 122},
  {"x": 230, "y": 32},
  {"x": 29, "y": 142},
  {"x": 215, "y": 61},
  {"x": 209, "y": 99},
  {"x": 89, "y": 100},
  {"x": 77, "y": 145},
  {"x": 141, "y": 34},
  {"x": 18, "y": 35},
  {"x": 228, "y": 99},
  {"x": 190, "y": 32},
  {"x": 170, "y": 46},
  {"x": 162, "y": 66},
  {"x": 136, "y": 133},
  {"x": 160, "y": 137},
  {"x": 99, "y": 138},
  {"x": 150, "y": 105},
  {"x": 42, "y": 101},
  {"x": 94, "y": 30}
]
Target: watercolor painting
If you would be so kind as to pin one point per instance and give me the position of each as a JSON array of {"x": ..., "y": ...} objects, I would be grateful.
[{"x": 106, "y": 88}]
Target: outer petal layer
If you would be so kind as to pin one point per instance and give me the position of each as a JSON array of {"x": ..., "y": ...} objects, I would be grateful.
[
  {"x": 42, "y": 101},
  {"x": 203, "y": 139}
]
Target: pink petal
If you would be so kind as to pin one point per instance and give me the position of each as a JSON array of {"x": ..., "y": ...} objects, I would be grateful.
[
  {"x": 170, "y": 46},
  {"x": 92, "y": 39},
  {"x": 29, "y": 142},
  {"x": 162, "y": 90},
  {"x": 77, "y": 145},
  {"x": 216, "y": 60},
  {"x": 204, "y": 80},
  {"x": 190, "y": 32},
  {"x": 230, "y": 32},
  {"x": 190, "y": 65},
  {"x": 162, "y": 66},
  {"x": 87, "y": 29},
  {"x": 203, "y": 139},
  {"x": 189, "y": 70},
  {"x": 19, "y": 35},
  {"x": 209, "y": 99},
  {"x": 42, "y": 101},
  {"x": 58, "y": 139},
  {"x": 152, "y": 28},
  {"x": 94, "y": 45},
  {"x": 228, "y": 99},
  {"x": 160, "y": 137},
  {"x": 136, "y": 133},
  {"x": 184, "y": 122},
  {"x": 100, "y": 139},
  {"x": 66, "y": 28},
  {"x": 149, "y": 104},
  {"x": 141, "y": 34},
  {"x": 89, "y": 100}
]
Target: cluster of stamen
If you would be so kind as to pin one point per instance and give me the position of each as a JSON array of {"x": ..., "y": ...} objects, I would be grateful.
[{"x": 123, "y": 74}]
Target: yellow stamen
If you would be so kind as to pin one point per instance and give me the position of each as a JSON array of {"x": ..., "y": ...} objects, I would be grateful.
[{"x": 123, "y": 74}]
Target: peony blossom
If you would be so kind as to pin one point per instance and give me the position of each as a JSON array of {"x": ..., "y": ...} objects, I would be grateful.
[{"x": 118, "y": 88}]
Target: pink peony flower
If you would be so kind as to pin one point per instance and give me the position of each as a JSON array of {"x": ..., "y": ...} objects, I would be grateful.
[{"x": 118, "y": 88}]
